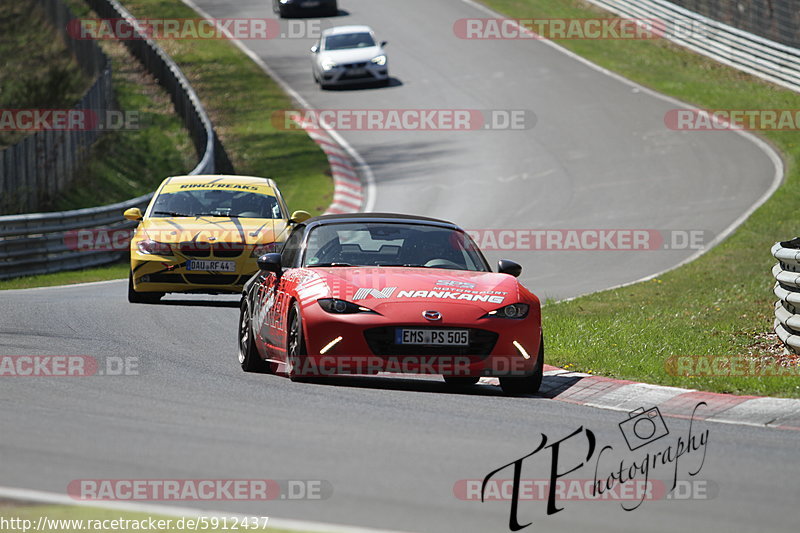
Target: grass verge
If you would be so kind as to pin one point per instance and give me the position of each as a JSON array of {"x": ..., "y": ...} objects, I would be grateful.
[
  {"x": 718, "y": 305},
  {"x": 70, "y": 519},
  {"x": 45, "y": 76},
  {"x": 131, "y": 162},
  {"x": 115, "y": 271},
  {"x": 240, "y": 99}
]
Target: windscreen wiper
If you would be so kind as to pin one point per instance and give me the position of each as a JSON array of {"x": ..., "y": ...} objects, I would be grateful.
[
  {"x": 171, "y": 214},
  {"x": 331, "y": 265}
]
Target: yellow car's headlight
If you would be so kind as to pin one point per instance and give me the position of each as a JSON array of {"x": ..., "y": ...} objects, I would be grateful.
[{"x": 151, "y": 247}]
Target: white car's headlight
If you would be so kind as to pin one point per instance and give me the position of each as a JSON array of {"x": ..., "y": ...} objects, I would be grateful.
[
  {"x": 328, "y": 64},
  {"x": 380, "y": 60}
]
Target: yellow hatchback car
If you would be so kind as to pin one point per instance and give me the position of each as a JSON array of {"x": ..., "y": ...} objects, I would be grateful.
[{"x": 204, "y": 234}]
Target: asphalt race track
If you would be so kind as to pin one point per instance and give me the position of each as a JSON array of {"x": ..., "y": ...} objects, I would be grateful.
[
  {"x": 599, "y": 155},
  {"x": 394, "y": 449}
]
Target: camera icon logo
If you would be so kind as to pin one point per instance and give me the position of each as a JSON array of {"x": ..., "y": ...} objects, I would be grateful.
[{"x": 643, "y": 427}]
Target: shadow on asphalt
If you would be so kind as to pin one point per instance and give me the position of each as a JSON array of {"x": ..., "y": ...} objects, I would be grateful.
[
  {"x": 201, "y": 303},
  {"x": 551, "y": 387},
  {"x": 436, "y": 386},
  {"x": 341, "y": 13},
  {"x": 393, "y": 82}
]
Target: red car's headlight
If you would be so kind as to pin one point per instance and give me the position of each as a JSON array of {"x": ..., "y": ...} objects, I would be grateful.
[
  {"x": 151, "y": 247},
  {"x": 515, "y": 311},
  {"x": 342, "y": 307}
]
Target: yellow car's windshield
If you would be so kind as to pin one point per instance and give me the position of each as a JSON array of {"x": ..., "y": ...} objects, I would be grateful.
[{"x": 216, "y": 203}]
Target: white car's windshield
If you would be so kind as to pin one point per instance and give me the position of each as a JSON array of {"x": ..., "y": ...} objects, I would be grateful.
[
  {"x": 392, "y": 245},
  {"x": 216, "y": 202},
  {"x": 346, "y": 41}
]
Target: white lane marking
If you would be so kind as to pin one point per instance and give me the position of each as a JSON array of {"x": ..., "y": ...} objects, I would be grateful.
[
  {"x": 35, "y": 496},
  {"x": 774, "y": 156},
  {"x": 367, "y": 171}
]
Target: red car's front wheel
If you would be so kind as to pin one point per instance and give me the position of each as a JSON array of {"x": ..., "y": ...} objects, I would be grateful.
[{"x": 527, "y": 384}]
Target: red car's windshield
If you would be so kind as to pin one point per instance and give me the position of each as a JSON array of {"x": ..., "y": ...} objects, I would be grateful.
[{"x": 392, "y": 244}]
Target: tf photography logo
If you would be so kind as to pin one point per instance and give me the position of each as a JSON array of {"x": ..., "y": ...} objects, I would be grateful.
[{"x": 626, "y": 475}]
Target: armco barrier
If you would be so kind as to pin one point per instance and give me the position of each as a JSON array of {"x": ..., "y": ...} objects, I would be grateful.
[
  {"x": 787, "y": 289},
  {"x": 776, "y": 20},
  {"x": 745, "y": 51},
  {"x": 37, "y": 243}
]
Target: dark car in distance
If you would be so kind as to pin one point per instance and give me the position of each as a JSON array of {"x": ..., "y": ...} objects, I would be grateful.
[{"x": 303, "y": 8}]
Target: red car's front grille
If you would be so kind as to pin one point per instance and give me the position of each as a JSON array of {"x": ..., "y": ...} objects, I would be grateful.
[{"x": 382, "y": 342}]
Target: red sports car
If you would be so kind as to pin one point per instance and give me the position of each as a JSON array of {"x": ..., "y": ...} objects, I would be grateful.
[{"x": 369, "y": 293}]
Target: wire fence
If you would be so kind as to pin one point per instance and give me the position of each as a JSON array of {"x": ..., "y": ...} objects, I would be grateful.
[
  {"x": 41, "y": 243},
  {"x": 35, "y": 169}
]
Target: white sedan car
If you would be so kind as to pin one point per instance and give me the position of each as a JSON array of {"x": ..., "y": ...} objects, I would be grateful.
[{"x": 349, "y": 55}]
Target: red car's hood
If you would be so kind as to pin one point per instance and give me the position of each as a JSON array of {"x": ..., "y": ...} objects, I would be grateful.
[{"x": 377, "y": 287}]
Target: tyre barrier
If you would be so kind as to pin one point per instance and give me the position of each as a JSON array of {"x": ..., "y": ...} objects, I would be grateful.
[{"x": 787, "y": 288}]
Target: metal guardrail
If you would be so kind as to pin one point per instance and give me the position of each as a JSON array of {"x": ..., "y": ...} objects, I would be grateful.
[
  {"x": 734, "y": 47},
  {"x": 37, "y": 243},
  {"x": 776, "y": 20},
  {"x": 787, "y": 289},
  {"x": 35, "y": 169}
]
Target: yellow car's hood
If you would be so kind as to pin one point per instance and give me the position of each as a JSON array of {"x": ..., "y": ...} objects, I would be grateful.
[{"x": 214, "y": 229}]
